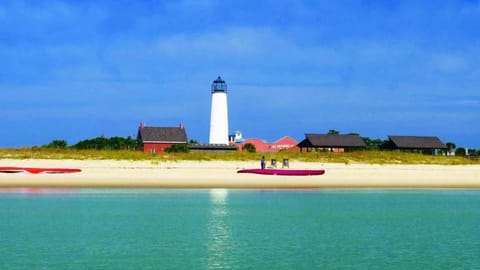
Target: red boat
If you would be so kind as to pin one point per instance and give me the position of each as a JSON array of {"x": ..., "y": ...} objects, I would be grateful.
[
  {"x": 37, "y": 170},
  {"x": 288, "y": 172}
]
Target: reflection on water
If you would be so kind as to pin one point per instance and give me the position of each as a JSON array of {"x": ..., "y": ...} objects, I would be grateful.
[
  {"x": 218, "y": 230},
  {"x": 218, "y": 196}
]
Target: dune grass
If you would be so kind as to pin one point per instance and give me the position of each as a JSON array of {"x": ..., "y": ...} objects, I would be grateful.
[{"x": 366, "y": 157}]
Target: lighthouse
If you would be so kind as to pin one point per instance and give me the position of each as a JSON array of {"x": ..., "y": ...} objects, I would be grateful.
[{"x": 219, "y": 113}]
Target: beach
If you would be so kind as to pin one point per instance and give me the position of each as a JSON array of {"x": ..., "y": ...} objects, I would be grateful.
[{"x": 223, "y": 174}]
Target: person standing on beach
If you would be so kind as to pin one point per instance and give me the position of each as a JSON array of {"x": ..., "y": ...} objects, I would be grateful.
[{"x": 262, "y": 162}]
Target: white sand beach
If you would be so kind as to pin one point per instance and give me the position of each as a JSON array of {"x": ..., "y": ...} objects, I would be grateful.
[{"x": 223, "y": 174}]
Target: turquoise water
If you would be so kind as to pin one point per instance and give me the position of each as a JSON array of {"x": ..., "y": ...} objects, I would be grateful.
[{"x": 237, "y": 229}]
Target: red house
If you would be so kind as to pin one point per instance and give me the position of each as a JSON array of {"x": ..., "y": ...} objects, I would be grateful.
[{"x": 156, "y": 139}]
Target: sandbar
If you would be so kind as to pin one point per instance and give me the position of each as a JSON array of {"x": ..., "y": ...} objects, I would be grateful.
[{"x": 223, "y": 174}]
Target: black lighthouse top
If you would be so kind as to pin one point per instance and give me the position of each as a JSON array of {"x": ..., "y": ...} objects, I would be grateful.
[{"x": 219, "y": 85}]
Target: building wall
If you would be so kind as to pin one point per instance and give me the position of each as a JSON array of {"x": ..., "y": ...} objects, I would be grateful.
[
  {"x": 322, "y": 149},
  {"x": 284, "y": 144},
  {"x": 219, "y": 119},
  {"x": 260, "y": 145},
  {"x": 263, "y": 146},
  {"x": 155, "y": 147}
]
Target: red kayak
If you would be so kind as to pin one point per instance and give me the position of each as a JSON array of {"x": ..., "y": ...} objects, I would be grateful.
[
  {"x": 37, "y": 170},
  {"x": 288, "y": 172}
]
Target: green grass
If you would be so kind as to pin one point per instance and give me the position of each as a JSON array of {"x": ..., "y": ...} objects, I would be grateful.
[{"x": 367, "y": 157}]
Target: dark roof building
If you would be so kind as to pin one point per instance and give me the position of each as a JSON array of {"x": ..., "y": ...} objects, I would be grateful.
[
  {"x": 416, "y": 142},
  {"x": 156, "y": 139},
  {"x": 332, "y": 141},
  {"x": 162, "y": 135}
]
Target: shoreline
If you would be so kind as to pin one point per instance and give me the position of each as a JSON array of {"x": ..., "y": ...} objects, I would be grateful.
[{"x": 223, "y": 174}]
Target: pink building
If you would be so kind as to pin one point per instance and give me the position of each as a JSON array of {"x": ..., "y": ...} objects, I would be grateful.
[
  {"x": 284, "y": 143},
  {"x": 260, "y": 145}
]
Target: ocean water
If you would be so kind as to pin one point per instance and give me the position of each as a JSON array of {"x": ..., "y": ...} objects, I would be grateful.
[{"x": 241, "y": 229}]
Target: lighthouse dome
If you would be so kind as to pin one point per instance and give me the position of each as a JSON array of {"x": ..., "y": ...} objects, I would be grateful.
[{"x": 219, "y": 85}]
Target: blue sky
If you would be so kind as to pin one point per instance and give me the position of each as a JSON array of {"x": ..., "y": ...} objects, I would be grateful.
[{"x": 79, "y": 69}]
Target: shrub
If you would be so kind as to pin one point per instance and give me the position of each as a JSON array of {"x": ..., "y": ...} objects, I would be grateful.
[
  {"x": 57, "y": 144},
  {"x": 460, "y": 152},
  {"x": 249, "y": 148},
  {"x": 177, "y": 148}
]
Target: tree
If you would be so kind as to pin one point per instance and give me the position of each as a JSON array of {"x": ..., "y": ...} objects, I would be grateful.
[
  {"x": 373, "y": 144},
  {"x": 133, "y": 144},
  {"x": 249, "y": 148},
  {"x": 113, "y": 143},
  {"x": 57, "y": 144},
  {"x": 333, "y": 132},
  {"x": 460, "y": 151},
  {"x": 192, "y": 142},
  {"x": 474, "y": 152},
  {"x": 450, "y": 146}
]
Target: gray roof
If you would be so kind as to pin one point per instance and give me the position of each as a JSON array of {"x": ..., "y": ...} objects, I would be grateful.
[
  {"x": 417, "y": 142},
  {"x": 332, "y": 140},
  {"x": 162, "y": 134}
]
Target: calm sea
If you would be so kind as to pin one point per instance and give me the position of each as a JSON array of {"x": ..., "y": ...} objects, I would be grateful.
[{"x": 241, "y": 229}]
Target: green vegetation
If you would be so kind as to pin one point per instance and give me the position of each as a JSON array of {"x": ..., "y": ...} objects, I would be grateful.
[
  {"x": 103, "y": 143},
  {"x": 368, "y": 157},
  {"x": 249, "y": 148},
  {"x": 178, "y": 148},
  {"x": 56, "y": 144},
  {"x": 119, "y": 148}
]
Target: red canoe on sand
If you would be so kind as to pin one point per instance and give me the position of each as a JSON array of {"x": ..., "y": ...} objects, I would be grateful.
[
  {"x": 288, "y": 172},
  {"x": 37, "y": 170}
]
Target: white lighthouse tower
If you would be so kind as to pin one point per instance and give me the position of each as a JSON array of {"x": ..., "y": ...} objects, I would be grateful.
[{"x": 219, "y": 113}]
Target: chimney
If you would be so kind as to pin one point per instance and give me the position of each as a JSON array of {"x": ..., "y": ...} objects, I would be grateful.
[
  {"x": 142, "y": 125},
  {"x": 181, "y": 126}
]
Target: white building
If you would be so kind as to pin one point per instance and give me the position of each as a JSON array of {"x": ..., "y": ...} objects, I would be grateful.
[{"x": 219, "y": 113}]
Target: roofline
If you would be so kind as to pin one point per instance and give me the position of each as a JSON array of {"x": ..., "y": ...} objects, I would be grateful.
[
  {"x": 164, "y": 141},
  {"x": 419, "y": 147},
  {"x": 413, "y": 136},
  {"x": 160, "y": 127},
  {"x": 286, "y": 136},
  {"x": 256, "y": 139}
]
